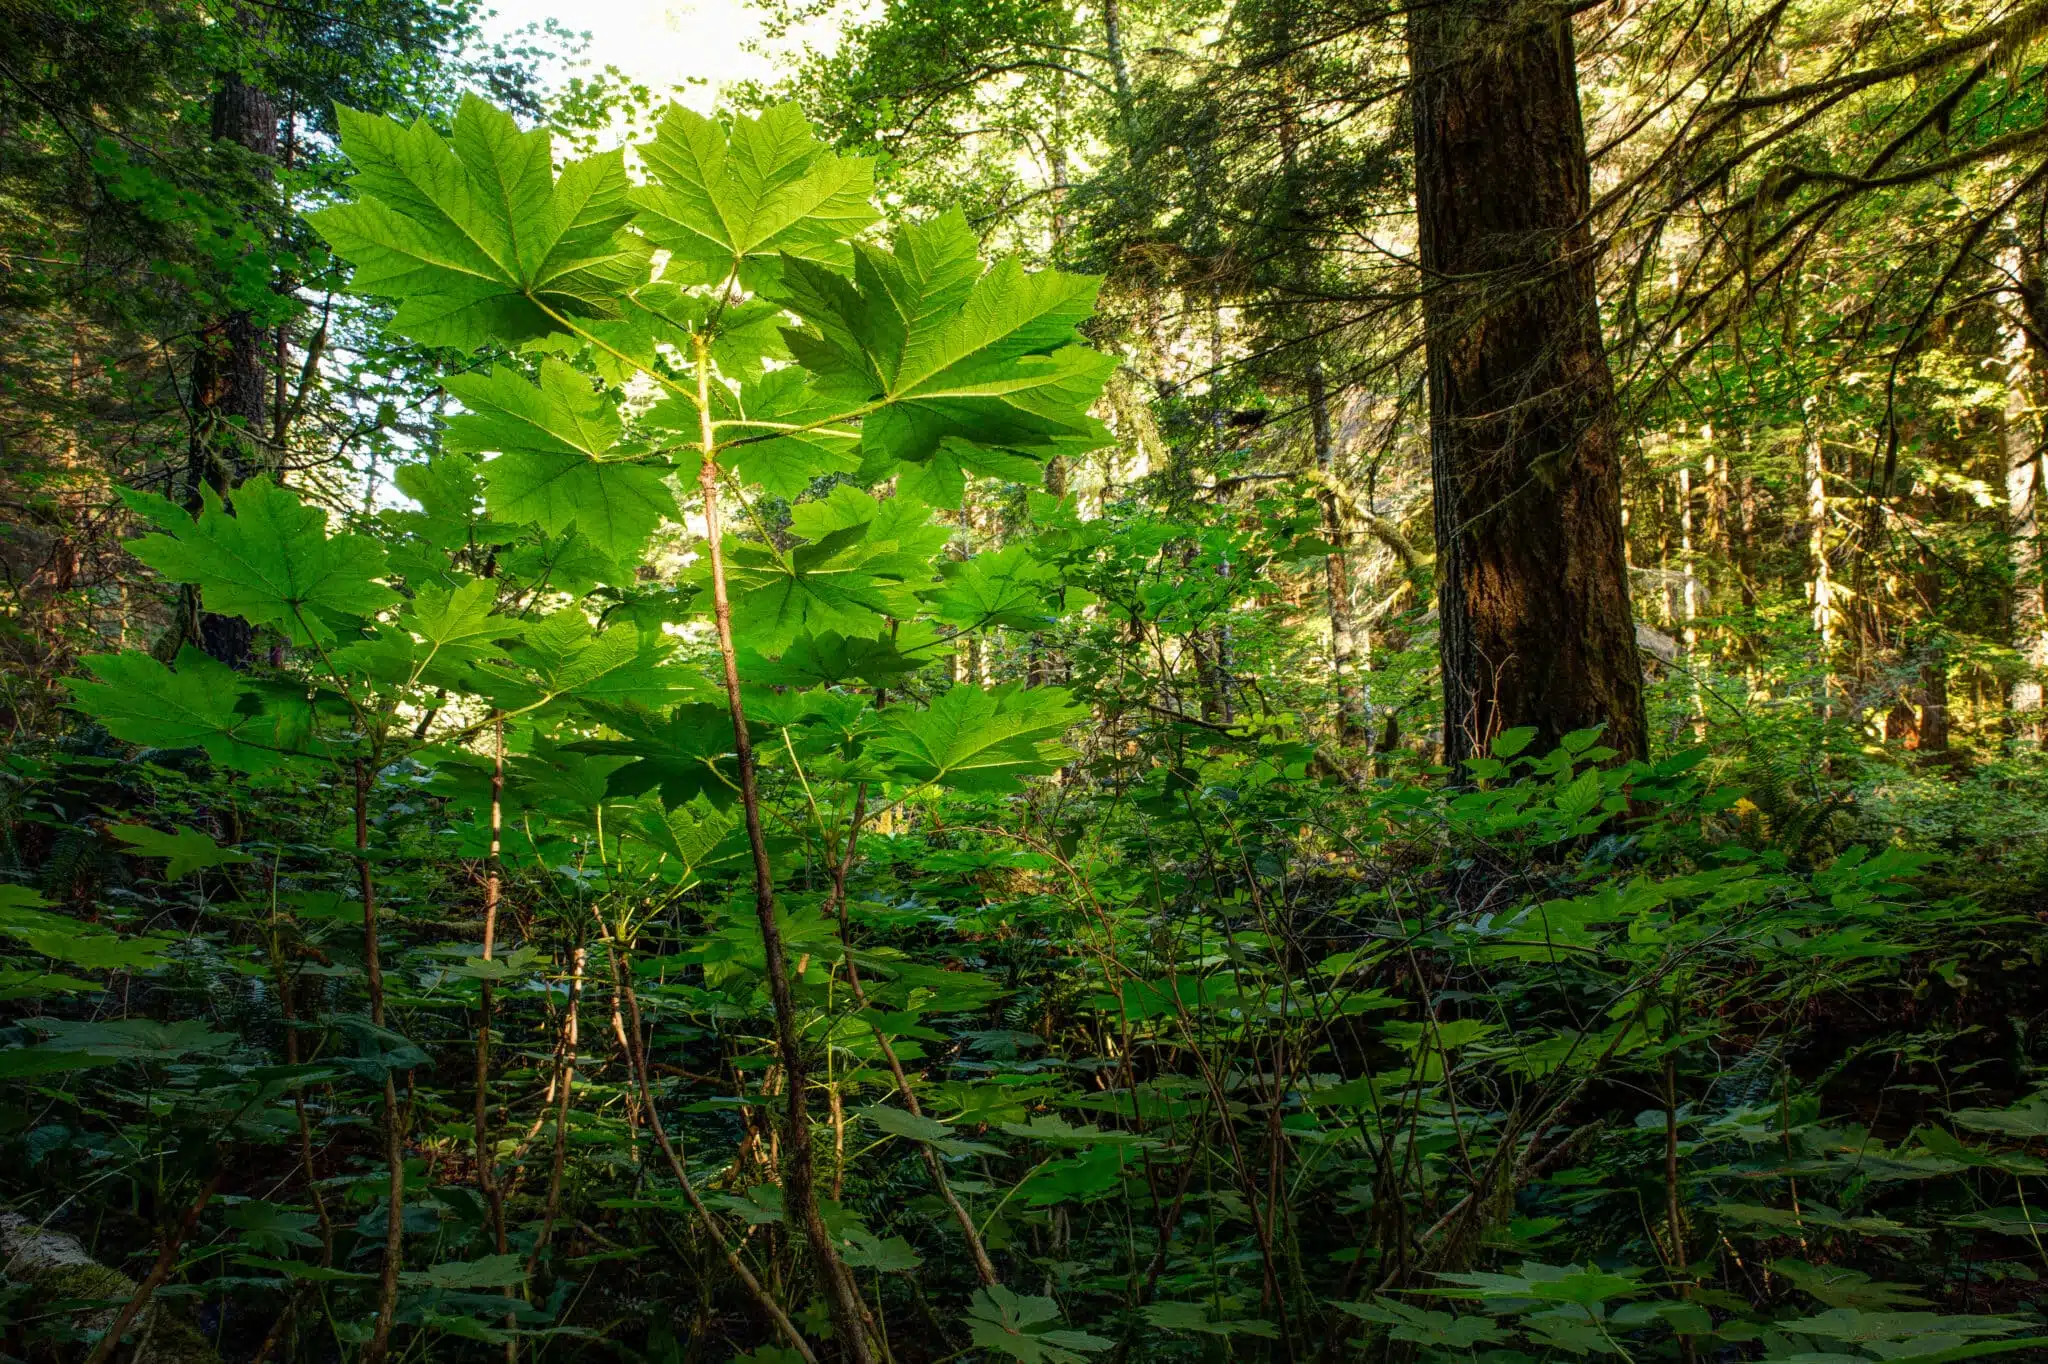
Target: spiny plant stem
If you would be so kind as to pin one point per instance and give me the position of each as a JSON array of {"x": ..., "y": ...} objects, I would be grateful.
[
  {"x": 394, "y": 1147},
  {"x": 799, "y": 1187},
  {"x": 636, "y": 1057},
  {"x": 166, "y": 1261},
  {"x": 559, "y": 1159},
  {"x": 984, "y": 1268}
]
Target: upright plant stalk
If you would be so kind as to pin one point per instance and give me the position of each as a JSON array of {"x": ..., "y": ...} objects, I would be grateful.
[
  {"x": 486, "y": 1173},
  {"x": 984, "y": 1268},
  {"x": 799, "y": 1191},
  {"x": 289, "y": 1012},
  {"x": 1674, "y": 1209},
  {"x": 166, "y": 1261},
  {"x": 636, "y": 1058},
  {"x": 485, "y": 1182},
  {"x": 557, "y": 1162},
  {"x": 394, "y": 1149}
]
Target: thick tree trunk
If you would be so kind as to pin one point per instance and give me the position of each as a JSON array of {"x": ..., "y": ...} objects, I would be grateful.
[
  {"x": 230, "y": 378},
  {"x": 1532, "y": 584}
]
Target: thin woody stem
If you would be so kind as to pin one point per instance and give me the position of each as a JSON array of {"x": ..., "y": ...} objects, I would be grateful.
[
  {"x": 637, "y": 1057},
  {"x": 983, "y": 1266},
  {"x": 394, "y": 1147},
  {"x": 799, "y": 1194}
]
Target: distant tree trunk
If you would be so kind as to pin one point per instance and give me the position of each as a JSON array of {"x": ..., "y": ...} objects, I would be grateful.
[
  {"x": 230, "y": 378},
  {"x": 1345, "y": 679},
  {"x": 1344, "y": 651},
  {"x": 1934, "y": 728},
  {"x": 1532, "y": 584},
  {"x": 2023, "y": 350},
  {"x": 1221, "y": 633},
  {"x": 1113, "y": 50},
  {"x": 1820, "y": 589}
]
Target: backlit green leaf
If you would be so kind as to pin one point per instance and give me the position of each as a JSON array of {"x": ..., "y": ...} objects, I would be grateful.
[
  {"x": 976, "y": 740},
  {"x": 726, "y": 202},
  {"x": 555, "y": 466},
  {"x": 476, "y": 237},
  {"x": 272, "y": 563},
  {"x": 188, "y": 850}
]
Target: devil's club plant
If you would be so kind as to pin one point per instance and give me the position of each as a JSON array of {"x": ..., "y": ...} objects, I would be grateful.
[{"x": 725, "y": 330}]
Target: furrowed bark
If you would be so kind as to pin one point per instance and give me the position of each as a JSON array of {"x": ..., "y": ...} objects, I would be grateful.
[
  {"x": 230, "y": 376},
  {"x": 799, "y": 1187},
  {"x": 1526, "y": 439},
  {"x": 2021, "y": 346}
]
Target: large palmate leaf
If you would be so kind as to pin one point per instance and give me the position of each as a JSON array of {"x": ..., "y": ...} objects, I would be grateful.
[
  {"x": 1009, "y": 587},
  {"x": 132, "y": 1039},
  {"x": 271, "y": 1229},
  {"x": 812, "y": 589},
  {"x": 561, "y": 658},
  {"x": 853, "y": 576},
  {"x": 975, "y": 740},
  {"x": 686, "y": 753},
  {"x": 899, "y": 1122},
  {"x": 443, "y": 631},
  {"x": 476, "y": 237},
  {"x": 1027, "y": 1329},
  {"x": 450, "y": 517},
  {"x": 272, "y": 563},
  {"x": 554, "y": 465},
  {"x": 738, "y": 202},
  {"x": 188, "y": 850},
  {"x": 70, "y": 940},
  {"x": 832, "y": 659},
  {"x": 492, "y": 1271},
  {"x": 198, "y": 705},
  {"x": 682, "y": 838},
  {"x": 931, "y": 349}
]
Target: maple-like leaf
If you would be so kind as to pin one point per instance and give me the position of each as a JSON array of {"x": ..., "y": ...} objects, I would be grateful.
[
  {"x": 187, "y": 850},
  {"x": 570, "y": 563},
  {"x": 684, "y": 837},
  {"x": 443, "y": 630},
  {"x": 555, "y": 466},
  {"x": 685, "y": 753},
  {"x": 1026, "y": 1328},
  {"x": 272, "y": 563},
  {"x": 141, "y": 701},
  {"x": 737, "y": 202},
  {"x": 972, "y": 739},
  {"x": 832, "y": 659},
  {"x": 475, "y": 236},
  {"x": 560, "y": 658},
  {"x": 1009, "y": 586},
  {"x": 853, "y": 576},
  {"x": 776, "y": 431},
  {"x": 930, "y": 349}
]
